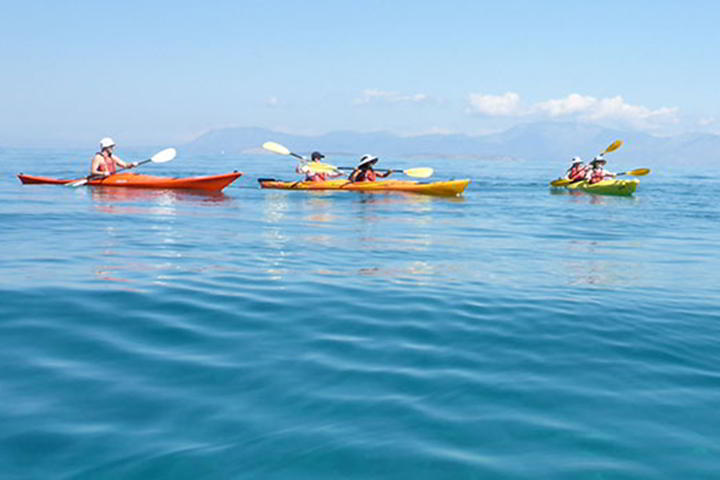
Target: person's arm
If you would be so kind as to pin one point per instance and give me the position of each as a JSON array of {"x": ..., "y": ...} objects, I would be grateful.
[
  {"x": 124, "y": 164},
  {"x": 354, "y": 175},
  {"x": 383, "y": 175}
]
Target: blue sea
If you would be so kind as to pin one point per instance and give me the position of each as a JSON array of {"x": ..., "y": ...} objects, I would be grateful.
[{"x": 511, "y": 333}]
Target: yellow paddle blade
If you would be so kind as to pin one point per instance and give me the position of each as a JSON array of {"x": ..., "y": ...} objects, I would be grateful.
[
  {"x": 560, "y": 182},
  {"x": 319, "y": 167},
  {"x": 639, "y": 172},
  {"x": 276, "y": 148},
  {"x": 614, "y": 146},
  {"x": 420, "y": 172}
]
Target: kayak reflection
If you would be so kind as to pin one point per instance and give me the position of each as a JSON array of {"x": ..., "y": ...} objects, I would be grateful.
[
  {"x": 109, "y": 194},
  {"x": 579, "y": 196},
  {"x": 150, "y": 201}
]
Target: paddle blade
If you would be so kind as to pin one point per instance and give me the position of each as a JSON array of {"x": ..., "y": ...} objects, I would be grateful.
[
  {"x": 276, "y": 148},
  {"x": 164, "y": 156},
  {"x": 639, "y": 172},
  {"x": 614, "y": 146},
  {"x": 420, "y": 172},
  {"x": 560, "y": 182},
  {"x": 77, "y": 183},
  {"x": 319, "y": 167}
]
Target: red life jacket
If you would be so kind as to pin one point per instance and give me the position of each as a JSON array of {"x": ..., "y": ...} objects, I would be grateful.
[
  {"x": 107, "y": 165},
  {"x": 597, "y": 175},
  {"x": 367, "y": 175},
  {"x": 577, "y": 172}
]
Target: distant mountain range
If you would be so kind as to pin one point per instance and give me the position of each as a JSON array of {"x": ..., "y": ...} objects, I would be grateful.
[{"x": 534, "y": 141}]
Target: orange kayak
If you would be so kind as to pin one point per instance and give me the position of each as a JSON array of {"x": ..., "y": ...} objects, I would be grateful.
[{"x": 214, "y": 183}]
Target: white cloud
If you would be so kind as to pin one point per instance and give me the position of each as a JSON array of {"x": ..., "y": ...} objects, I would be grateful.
[
  {"x": 272, "y": 102},
  {"x": 495, "y": 105},
  {"x": 616, "y": 108},
  {"x": 382, "y": 96},
  {"x": 575, "y": 106},
  {"x": 569, "y": 105}
]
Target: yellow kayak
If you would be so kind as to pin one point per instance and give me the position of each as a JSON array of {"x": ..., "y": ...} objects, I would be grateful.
[
  {"x": 606, "y": 187},
  {"x": 447, "y": 188}
]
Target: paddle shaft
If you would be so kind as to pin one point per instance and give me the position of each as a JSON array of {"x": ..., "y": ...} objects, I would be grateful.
[{"x": 376, "y": 169}]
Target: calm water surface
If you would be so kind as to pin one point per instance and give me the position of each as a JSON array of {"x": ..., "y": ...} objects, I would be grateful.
[{"x": 511, "y": 333}]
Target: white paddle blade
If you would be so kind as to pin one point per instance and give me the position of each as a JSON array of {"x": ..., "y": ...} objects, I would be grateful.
[
  {"x": 164, "y": 156},
  {"x": 77, "y": 183},
  {"x": 420, "y": 172},
  {"x": 276, "y": 148}
]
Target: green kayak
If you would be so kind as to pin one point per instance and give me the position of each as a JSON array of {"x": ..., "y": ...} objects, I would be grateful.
[{"x": 606, "y": 187}]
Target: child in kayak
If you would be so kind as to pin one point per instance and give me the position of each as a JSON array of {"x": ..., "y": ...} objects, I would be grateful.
[
  {"x": 597, "y": 172},
  {"x": 104, "y": 162},
  {"x": 311, "y": 176},
  {"x": 364, "y": 171},
  {"x": 577, "y": 170}
]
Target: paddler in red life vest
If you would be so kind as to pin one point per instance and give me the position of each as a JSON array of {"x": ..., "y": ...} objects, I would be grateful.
[
  {"x": 577, "y": 170},
  {"x": 311, "y": 176},
  {"x": 597, "y": 172},
  {"x": 104, "y": 162},
  {"x": 364, "y": 171}
]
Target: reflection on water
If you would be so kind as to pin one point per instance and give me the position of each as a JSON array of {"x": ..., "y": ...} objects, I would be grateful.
[
  {"x": 115, "y": 194},
  {"x": 159, "y": 202},
  {"x": 580, "y": 196}
]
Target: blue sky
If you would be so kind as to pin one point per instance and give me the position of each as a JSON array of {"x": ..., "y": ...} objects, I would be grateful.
[{"x": 163, "y": 72}]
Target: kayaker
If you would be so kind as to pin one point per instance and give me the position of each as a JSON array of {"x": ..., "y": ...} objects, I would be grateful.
[
  {"x": 364, "y": 171},
  {"x": 104, "y": 162},
  {"x": 577, "y": 170},
  {"x": 311, "y": 176},
  {"x": 597, "y": 172}
]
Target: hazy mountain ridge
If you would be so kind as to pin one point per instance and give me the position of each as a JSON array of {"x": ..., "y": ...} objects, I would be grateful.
[{"x": 535, "y": 141}]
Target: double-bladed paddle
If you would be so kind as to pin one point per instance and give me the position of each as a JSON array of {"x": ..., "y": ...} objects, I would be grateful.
[
  {"x": 321, "y": 167},
  {"x": 160, "y": 157},
  {"x": 639, "y": 172},
  {"x": 418, "y": 172}
]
